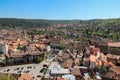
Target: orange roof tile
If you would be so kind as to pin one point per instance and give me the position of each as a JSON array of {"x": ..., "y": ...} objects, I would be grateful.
[
  {"x": 116, "y": 70},
  {"x": 25, "y": 77},
  {"x": 95, "y": 50},
  {"x": 110, "y": 63},
  {"x": 114, "y": 44},
  {"x": 93, "y": 58},
  {"x": 60, "y": 79},
  {"x": 76, "y": 72}
]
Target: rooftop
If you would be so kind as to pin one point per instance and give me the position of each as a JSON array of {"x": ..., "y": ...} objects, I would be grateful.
[
  {"x": 25, "y": 77},
  {"x": 114, "y": 44}
]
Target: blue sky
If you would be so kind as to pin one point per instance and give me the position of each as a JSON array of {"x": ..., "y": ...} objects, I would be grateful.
[{"x": 60, "y": 9}]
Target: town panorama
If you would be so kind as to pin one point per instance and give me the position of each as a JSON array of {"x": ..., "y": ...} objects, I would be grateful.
[{"x": 38, "y": 49}]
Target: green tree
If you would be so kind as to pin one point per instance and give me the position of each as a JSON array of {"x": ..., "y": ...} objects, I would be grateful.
[
  {"x": 39, "y": 59},
  {"x": 5, "y": 77},
  {"x": 4, "y": 62}
]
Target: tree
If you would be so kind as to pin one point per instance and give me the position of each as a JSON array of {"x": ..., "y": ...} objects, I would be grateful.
[
  {"x": 39, "y": 59},
  {"x": 4, "y": 62},
  {"x": 5, "y": 77}
]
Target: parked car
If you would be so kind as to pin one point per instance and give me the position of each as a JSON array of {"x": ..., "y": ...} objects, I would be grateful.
[{"x": 39, "y": 75}]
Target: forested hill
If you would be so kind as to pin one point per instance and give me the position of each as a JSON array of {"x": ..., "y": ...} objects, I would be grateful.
[
  {"x": 32, "y": 23},
  {"x": 22, "y": 23}
]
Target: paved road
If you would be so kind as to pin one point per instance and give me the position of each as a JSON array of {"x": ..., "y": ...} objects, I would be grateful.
[{"x": 32, "y": 69}]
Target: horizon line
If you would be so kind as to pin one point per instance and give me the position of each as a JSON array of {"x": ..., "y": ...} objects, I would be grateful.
[{"x": 56, "y": 19}]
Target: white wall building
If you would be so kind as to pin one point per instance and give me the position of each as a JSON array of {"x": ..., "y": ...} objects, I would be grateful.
[{"x": 3, "y": 48}]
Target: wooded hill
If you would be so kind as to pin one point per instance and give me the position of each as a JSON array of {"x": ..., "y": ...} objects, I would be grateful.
[
  {"x": 113, "y": 24},
  {"x": 29, "y": 23}
]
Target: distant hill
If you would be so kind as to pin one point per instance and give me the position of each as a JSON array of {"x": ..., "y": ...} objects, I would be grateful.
[
  {"x": 41, "y": 23},
  {"x": 22, "y": 23},
  {"x": 29, "y": 23}
]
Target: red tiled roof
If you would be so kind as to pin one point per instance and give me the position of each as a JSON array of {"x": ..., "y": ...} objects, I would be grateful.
[
  {"x": 95, "y": 50},
  {"x": 76, "y": 72},
  {"x": 114, "y": 44},
  {"x": 25, "y": 77},
  {"x": 60, "y": 79},
  {"x": 67, "y": 63},
  {"x": 116, "y": 70},
  {"x": 21, "y": 54}
]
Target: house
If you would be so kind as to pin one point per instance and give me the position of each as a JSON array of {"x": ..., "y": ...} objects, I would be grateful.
[
  {"x": 59, "y": 71},
  {"x": 67, "y": 64},
  {"x": 109, "y": 75},
  {"x": 92, "y": 61},
  {"x": 112, "y": 58},
  {"x": 23, "y": 57},
  {"x": 114, "y": 48},
  {"x": 65, "y": 56},
  {"x": 69, "y": 77},
  {"x": 61, "y": 78},
  {"x": 55, "y": 71},
  {"x": 103, "y": 47},
  {"x": 116, "y": 70},
  {"x": 77, "y": 62},
  {"x": 76, "y": 72},
  {"x": 25, "y": 77},
  {"x": 86, "y": 62},
  {"x": 3, "y": 48},
  {"x": 56, "y": 42},
  {"x": 86, "y": 73},
  {"x": 107, "y": 47}
]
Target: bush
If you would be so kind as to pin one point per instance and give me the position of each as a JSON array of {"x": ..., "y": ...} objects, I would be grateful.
[{"x": 39, "y": 59}]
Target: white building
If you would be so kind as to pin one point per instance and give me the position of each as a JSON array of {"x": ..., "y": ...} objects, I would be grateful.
[
  {"x": 48, "y": 48},
  {"x": 3, "y": 48}
]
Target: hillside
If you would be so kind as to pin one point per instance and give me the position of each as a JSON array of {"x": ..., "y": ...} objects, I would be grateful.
[{"x": 41, "y": 23}]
